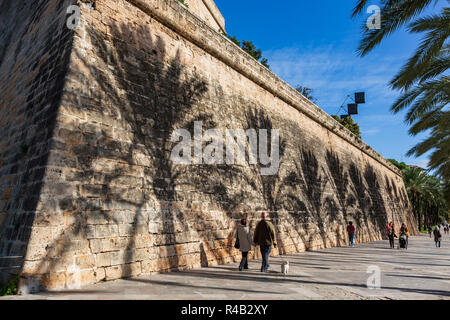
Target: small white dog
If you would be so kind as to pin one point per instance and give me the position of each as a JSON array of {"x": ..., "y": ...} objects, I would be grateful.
[{"x": 285, "y": 267}]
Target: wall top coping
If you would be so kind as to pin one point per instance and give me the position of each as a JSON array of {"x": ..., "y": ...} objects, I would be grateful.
[
  {"x": 215, "y": 12},
  {"x": 175, "y": 16}
]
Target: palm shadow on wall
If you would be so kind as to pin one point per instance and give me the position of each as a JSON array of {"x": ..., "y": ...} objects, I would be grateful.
[
  {"x": 151, "y": 97},
  {"x": 312, "y": 180},
  {"x": 359, "y": 196},
  {"x": 371, "y": 214},
  {"x": 295, "y": 196},
  {"x": 269, "y": 187},
  {"x": 273, "y": 190},
  {"x": 398, "y": 204},
  {"x": 394, "y": 199},
  {"x": 377, "y": 211},
  {"x": 341, "y": 185}
]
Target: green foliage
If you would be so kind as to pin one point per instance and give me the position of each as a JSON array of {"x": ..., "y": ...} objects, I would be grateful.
[
  {"x": 265, "y": 63},
  {"x": 11, "y": 287},
  {"x": 306, "y": 92},
  {"x": 423, "y": 81},
  {"x": 394, "y": 13},
  {"x": 400, "y": 165},
  {"x": 185, "y": 4},
  {"x": 427, "y": 196},
  {"x": 349, "y": 124},
  {"x": 447, "y": 194},
  {"x": 235, "y": 40},
  {"x": 251, "y": 49}
]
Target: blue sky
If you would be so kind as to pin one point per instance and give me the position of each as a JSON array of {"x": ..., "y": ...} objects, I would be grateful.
[{"x": 313, "y": 43}]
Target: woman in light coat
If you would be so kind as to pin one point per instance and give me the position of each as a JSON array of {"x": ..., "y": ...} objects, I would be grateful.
[{"x": 245, "y": 243}]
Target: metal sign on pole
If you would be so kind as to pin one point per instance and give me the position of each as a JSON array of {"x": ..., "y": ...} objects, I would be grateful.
[
  {"x": 360, "y": 97},
  {"x": 352, "y": 108}
]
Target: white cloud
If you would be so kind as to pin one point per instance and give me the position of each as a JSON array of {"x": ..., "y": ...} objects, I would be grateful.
[
  {"x": 370, "y": 131},
  {"x": 333, "y": 73}
]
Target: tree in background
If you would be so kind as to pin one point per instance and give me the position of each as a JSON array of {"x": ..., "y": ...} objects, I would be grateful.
[
  {"x": 349, "y": 124},
  {"x": 426, "y": 195},
  {"x": 306, "y": 92},
  {"x": 400, "y": 165},
  {"x": 251, "y": 49},
  {"x": 447, "y": 198},
  {"x": 235, "y": 40},
  {"x": 423, "y": 81}
]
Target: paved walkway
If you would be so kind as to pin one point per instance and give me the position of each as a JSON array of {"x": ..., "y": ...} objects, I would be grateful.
[{"x": 421, "y": 272}]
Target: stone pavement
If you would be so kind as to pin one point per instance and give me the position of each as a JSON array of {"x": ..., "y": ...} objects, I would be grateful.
[{"x": 421, "y": 272}]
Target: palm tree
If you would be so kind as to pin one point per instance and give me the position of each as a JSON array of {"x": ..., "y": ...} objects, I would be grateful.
[
  {"x": 395, "y": 14},
  {"x": 423, "y": 81},
  {"x": 427, "y": 91},
  {"x": 415, "y": 179},
  {"x": 306, "y": 92},
  {"x": 426, "y": 194},
  {"x": 432, "y": 201},
  {"x": 438, "y": 122}
]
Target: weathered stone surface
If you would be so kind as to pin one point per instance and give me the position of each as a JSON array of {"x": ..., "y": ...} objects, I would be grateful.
[
  {"x": 95, "y": 195},
  {"x": 34, "y": 52},
  {"x": 124, "y": 270},
  {"x": 208, "y": 11}
]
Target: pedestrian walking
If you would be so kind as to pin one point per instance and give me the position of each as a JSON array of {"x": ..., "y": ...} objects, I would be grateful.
[
  {"x": 389, "y": 227},
  {"x": 391, "y": 234},
  {"x": 265, "y": 238},
  {"x": 404, "y": 230},
  {"x": 351, "y": 234},
  {"x": 245, "y": 243},
  {"x": 437, "y": 237},
  {"x": 430, "y": 230}
]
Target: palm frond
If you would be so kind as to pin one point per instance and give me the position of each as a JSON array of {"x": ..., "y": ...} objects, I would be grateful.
[
  {"x": 394, "y": 14},
  {"x": 406, "y": 99},
  {"x": 359, "y": 7},
  {"x": 435, "y": 95},
  {"x": 431, "y": 48},
  {"x": 423, "y": 98},
  {"x": 428, "y": 120}
]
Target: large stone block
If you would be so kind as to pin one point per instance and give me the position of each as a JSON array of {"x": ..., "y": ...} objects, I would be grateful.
[{"x": 125, "y": 270}]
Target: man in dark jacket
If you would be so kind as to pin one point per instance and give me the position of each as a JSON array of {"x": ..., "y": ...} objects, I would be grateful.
[
  {"x": 437, "y": 237},
  {"x": 265, "y": 238}
]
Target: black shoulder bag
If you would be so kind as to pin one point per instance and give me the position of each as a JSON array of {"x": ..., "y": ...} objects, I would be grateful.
[{"x": 236, "y": 244}]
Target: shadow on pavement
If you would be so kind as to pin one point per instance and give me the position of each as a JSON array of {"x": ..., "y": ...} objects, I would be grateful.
[
  {"x": 178, "y": 284},
  {"x": 291, "y": 279}
]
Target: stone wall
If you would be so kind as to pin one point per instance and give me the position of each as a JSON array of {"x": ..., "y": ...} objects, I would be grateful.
[
  {"x": 112, "y": 204},
  {"x": 208, "y": 12},
  {"x": 34, "y": 51}
]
